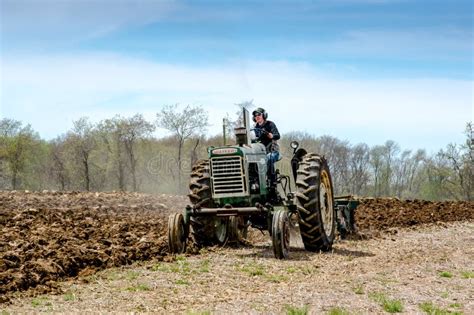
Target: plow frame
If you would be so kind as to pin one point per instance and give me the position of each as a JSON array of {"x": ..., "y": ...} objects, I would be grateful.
[{"x": 345, "y": 207}]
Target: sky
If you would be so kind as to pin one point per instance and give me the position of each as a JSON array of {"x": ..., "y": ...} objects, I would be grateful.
[{"x": 359, "y": 70}]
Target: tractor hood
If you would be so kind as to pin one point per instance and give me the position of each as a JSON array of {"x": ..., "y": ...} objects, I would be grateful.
[{"x": 252, "y": 149}]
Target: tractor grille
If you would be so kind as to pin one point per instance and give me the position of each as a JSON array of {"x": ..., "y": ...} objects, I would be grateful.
[{"x": 228, "y": 176}]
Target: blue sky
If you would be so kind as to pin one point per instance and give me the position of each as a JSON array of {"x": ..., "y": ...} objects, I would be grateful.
[{"x": 361, "y": 70}]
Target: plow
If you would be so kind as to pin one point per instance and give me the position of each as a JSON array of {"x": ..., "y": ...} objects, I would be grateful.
[{"x": 235, "y": 188}]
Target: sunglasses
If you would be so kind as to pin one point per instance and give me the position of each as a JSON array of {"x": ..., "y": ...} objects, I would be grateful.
[{"x": 257, "y": 114}]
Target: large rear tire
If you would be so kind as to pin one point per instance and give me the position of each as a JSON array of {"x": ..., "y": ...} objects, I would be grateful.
[
  {"x": 315, "y": 203},
  {"x": 211, "y": 230}
]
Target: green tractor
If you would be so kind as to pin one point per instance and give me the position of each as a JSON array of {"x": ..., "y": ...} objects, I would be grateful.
[{"x": 235, "y": 189}]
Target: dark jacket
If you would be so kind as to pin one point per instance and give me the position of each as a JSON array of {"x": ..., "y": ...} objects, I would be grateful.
[{"x": 267, "y": 127}]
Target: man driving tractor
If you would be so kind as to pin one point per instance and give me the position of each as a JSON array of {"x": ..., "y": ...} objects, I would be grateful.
[{"x": 267, "y": 133}]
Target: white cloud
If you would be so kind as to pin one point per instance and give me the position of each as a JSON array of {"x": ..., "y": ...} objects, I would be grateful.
[
  {"x": 50, "y": 92},
  {"x": 33, "y": 20}
]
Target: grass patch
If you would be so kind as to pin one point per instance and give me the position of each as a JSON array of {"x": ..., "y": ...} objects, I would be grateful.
[
  {"x": 160, "y": 267},
  {"x": 291, "y": 270},
  {"x": 276, "y": 278},
  {"x": 3, "y": 312},
  {"x": 431, "y": 309},
  {"x": 293, "y": 310},
  {"x": 69, "y": 296},
  {"x": 40, "y": 301},
  {"x": 467, "y": 274},
  {"x": 359, "y": 289},
  {"x": 180, "y": 266},
  {"x": 309, "y": 270},
  {"x": 204, "y": 267},
  {"x": 132, "y": 275},
  {"x": 338, "y": 311},
  {"x": 138, "y": 288},
  {"x": 112, "y": 276},
  {"x": 389, "y": 305},
  {"x": 445, "y": 274},
  {"x": 455, "y": 305},
  {"x": 393, "y": 306},
  {"x": 253, "y": 269},
  {"x": 181, "y": 282},
  {"x": 386, "y": 281},
  {"x": 445, "y": 294}
]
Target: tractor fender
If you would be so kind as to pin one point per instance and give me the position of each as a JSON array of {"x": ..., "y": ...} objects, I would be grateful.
[{"x": 297, "y": 157}]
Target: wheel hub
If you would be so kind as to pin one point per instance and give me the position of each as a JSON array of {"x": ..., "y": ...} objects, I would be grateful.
[{"x": 325, "y": 200}]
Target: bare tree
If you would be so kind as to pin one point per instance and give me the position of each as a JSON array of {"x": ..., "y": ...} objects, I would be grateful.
[
  {"x": 58, "y": 160},
  {"x": 240, "y": 120},
  {"x": 359, "y": 163},
  {"x": 81, "y": 139},
  {"x": 111, "y": 135},
  {"x": 194, "y": 155},
  {"x": 134, "y": 129},
  {"x": 391, "y": 149},
  {"x": 376, "y": 162},
  {"x": 191, "y": 121},
  {"x": 461, "y": 160}
]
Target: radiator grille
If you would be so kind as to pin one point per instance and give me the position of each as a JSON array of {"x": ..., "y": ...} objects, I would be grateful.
[{"x": 228, "y": 176}]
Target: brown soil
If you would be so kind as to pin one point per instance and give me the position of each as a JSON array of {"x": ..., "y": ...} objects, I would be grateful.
[
  {"x": 381, "y": 214},
  {"x": 50, "y": 236},
  {"x": 430, "y": 266}
]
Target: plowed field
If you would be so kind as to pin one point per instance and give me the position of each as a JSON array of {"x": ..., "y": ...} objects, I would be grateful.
[{"x": 49, "y": 236}]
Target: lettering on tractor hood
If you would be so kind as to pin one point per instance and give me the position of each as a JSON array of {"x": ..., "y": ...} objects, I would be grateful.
[{"x": 223, "y": 151}]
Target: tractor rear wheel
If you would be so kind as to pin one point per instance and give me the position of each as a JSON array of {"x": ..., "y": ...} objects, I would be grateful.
[
  {"x": 209, "y": 230},
  {"x": 315, "y": 203},
  {"x": 281, "y": 234}
]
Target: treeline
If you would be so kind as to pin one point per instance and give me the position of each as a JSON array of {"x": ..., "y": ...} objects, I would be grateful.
[{"x": 122, "y": 154}]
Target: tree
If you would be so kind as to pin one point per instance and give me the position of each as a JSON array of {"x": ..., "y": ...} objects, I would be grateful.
[
  {"x": 400, "y": 170},
  {"x": 16, "y": 144},
  {"x": 376, "y": 162},
  {"x": 242, "y": 105},
  {"x": 438, "y": 185},
  {"x": 191, "y": 121},
  {"x": 111, "y": 134},
  {"x": 390, "y": 151},
  {"x": 461, "y": 160},
  {"x": 134, "y": 129},
  {"x": 82, "y": 141},
  {"x": 58, "y": 160},
  {"x": 359, "y": 163}
]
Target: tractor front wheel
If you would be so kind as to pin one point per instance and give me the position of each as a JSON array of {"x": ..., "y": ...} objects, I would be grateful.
[
  {"x": 238, "y": 229},
  {"x": 177, "y": 235},
  {"x": 281, "y": 234}
]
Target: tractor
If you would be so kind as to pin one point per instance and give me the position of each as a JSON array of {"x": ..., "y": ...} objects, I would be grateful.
[{"x": 235, "y": 189}]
